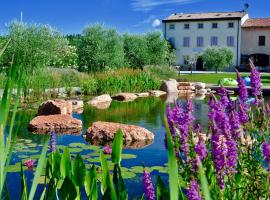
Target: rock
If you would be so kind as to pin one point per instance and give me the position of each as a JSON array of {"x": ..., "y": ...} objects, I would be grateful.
[
  {"x": 101, "y": 102},
  {"x": 200, "y": 96},
  {"x": 202, "y": 91},
  {"x": 171, "y": 98},
  {"x": 199, "y": 85},
  {"x": 77, "y": 106},
  {"x": 169, "y": 86},
  {"x": 125, "y": 97},
  {"x": 144, "y": 94},
  {"x": 186, "y": 88},
  {"x": 157, "y": 93},
  {"x": 102, "y": 132},
  {"x": 186, "y": 91},
  {"x": 184, "y": 84},
  {"x": 64, "y": 124},
  {"x": 55, "y": 107}
]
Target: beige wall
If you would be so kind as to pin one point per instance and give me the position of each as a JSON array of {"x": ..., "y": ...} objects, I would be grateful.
[
  {"x": 250, "y": 41},
  {"x": 222, "y": 32}
]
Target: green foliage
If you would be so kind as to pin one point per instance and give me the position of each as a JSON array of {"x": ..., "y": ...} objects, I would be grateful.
[
  {"x": 100, "y": 49},
  {"x": 163, "y": 72},
  {"x": 32, "y": 46},
  {"x": 217, "y": 58},
  {"x": 117, "y": 147}
]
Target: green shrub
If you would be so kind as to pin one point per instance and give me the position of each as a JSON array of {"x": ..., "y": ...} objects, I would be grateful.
[
  {"x": 162, "y": 72},
  {"x": 89, "y": 86}
]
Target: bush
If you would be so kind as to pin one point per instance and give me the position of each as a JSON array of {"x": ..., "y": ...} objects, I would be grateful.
[
  {"x": 100, "y": 49},
  {"x": 163, "y": 72},
  {"x": 217, "y": 57},
  {"x": 32, "y": 46}
]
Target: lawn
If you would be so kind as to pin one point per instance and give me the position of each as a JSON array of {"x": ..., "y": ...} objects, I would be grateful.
[{"x": 214, "y": 78}]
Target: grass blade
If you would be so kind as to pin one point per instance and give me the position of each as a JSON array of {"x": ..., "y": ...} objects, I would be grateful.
[
  {"x": 204, "y": 183},
  {"x": 117, "y": 147},
  {"x": 39, "y": 169},
  {"x": 173, "y": 170}
]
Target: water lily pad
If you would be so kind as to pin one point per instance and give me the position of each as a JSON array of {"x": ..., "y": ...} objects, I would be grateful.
[
  {"x": 128, "y": 175},
  {"x": 160, "y": 169},
  {"x": 93, "y": 160},
  {"x": 15, "y": 168},
  {"x": 139, "y": 169},
  {"x": 75, "y": 150},
  {"x": 77, "y": 145},
  {"x": 32, "y": 145},
  {"x": 128, "y": 156}
]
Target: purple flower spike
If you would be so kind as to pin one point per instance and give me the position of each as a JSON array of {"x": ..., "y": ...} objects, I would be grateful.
[
  {"x": 242, "y": 89},
  {"x": 52, "y": 143},
  {"x": 255, "y": 81},
  {"x": 243, "y": 112},
  {"x": 149, "y": 190},
  {"x": 235, "y": 125},
  {"x": 266, "y": 153},
  {"x": 223, "y": 93},
  {"x": 193, "y": 192}
]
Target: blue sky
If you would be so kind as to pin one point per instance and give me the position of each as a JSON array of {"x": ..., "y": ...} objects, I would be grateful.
[{"x": 135, "y": 16}]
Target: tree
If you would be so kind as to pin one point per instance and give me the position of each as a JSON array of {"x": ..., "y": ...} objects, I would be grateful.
[
  {"x": 136, "y": 51},
  {"x": 217, "y": 58},
  {"x": 32, "y": 46},
  {"x": 100, "y": 49}
]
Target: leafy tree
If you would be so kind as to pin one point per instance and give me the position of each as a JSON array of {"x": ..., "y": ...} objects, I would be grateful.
[
  {"x": 136, "y": 51},
  {"x": 100, "y": 49},
  {"x": 158, "y": 48},
  {"x": 217, "y": 58},
  {"x": 32, "y": 46}
]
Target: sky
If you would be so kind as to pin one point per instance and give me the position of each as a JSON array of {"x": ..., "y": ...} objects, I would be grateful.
[{"x": 132, "y": 16}]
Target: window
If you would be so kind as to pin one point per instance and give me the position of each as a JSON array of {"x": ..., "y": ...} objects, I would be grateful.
[
  {"x": 186, "y": 26},
  {"x": 230, "y": 41},
  {"x": 199, "y": 41},
  {"x": 230, "y": 25},
  {"x": 186, "y": 42},
  {"x": 172, "y": 41},
  {"x": 261, "y": 40},
  {"x": 171, "y": 26},
  {"x": 214, "y": 41},
  {"x": 214, "y": 25},
  {"x": 200, "y": 26}
]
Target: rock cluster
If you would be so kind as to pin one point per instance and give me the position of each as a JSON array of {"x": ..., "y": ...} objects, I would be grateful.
[
  {"x": 104, "y": 132},
  {"x": 101, "y": 102},
  {"x": 55, "y": 115}
]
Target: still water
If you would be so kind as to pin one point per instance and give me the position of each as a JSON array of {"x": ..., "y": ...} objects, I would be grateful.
[{"x": 145, "y": 112}]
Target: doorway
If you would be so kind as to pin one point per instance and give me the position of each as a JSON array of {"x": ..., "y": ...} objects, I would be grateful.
[{"x": 199, "y": 64}]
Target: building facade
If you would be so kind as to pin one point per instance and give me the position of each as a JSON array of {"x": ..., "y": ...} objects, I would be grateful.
[
  {"x": 255, "y": 43},
  {"x": 191, "y": 34}
]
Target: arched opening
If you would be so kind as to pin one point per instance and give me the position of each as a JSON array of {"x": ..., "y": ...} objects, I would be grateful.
[
  {"x": 199, "y": 64},
  {"x": 260, "y": 60}
]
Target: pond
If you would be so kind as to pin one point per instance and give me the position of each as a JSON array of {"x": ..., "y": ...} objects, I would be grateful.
[{"x": 145, "y": 112}]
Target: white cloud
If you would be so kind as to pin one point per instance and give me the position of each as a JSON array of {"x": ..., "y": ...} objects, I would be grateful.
[
  {"x": 148, "y": 20},
  {"x": 147, "y": 5},
  {"x": 156, "y": 23}
]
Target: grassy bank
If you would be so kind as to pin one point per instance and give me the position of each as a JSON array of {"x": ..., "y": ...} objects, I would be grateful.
[
  {"x": 214, "y": 78},
  {"x": 113, "y": 81}
]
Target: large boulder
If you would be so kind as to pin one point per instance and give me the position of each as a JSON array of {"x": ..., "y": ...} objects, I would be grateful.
[
  {"x": 199, "y": 85},
  {"x": 55, "y": 107},
  {"x": 101, "y": 102},
  {"x": 143, "y": 94},
  {"x": 77, "y": 106},
  {"x": 169, "y": 86},
  {"x": 125, "y": 97},
  {"x": 102, "y": 132},
  {"x": 64, "y": 124},
  {"x": 157, "y": 93}
]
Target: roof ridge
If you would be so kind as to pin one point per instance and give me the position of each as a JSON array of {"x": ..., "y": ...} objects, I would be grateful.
[{"x": 208, "y": 12}]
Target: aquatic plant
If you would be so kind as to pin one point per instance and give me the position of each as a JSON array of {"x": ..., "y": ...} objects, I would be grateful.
[{"x": 149, "y": 190}]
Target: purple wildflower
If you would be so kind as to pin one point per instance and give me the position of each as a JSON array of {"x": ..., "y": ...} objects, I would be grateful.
[
  {"x": 170, "y": 118},
  {"x": 243, "y": 112},
  {"x": 266, "y": 153},
  {"x": 52, "y": 143},
  {"x": 235, "y": 125},
  {"x": 107, "y": 150},
  {"x": 149, "y": 190},
  {"x": 223, "y": 93},
  {"x": 242, "y": 89},
  {"x": 193, "y": 192},
  {"x": 267, "y": 109},
  {"x": 255, "y": 81},
  {"x": 200, "y": 149}
]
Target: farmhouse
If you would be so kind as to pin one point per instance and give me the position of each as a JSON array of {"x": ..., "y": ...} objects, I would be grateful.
[{"x": 190, "y": 34}]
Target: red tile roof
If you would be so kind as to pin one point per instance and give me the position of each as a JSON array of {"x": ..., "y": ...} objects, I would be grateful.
[{"x": 257, "y": 23}]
